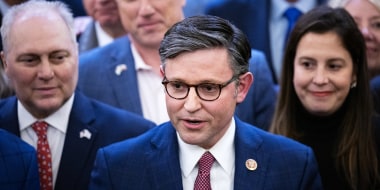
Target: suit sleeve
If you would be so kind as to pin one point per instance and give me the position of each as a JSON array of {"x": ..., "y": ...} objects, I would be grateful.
[
  {"x": 100, "y": 178},
  {"x": 32, "y": 181},
  {"x": 311, "y": 178}
]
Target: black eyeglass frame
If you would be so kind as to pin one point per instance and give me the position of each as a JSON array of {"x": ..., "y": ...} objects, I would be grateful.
[{"x": 165, "y": 82}]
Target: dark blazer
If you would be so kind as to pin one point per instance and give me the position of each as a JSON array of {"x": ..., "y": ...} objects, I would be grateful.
[
  {"x": 151, "y": 161},
  {"x": 106, "y": 124},
  {"x": 375, "y": 89},
  {"x": 87, "y": 39},
  {"x": 18, "y": 165},
  {"x": 98, "y": 79},
  {"x": 252, "y": 17}
]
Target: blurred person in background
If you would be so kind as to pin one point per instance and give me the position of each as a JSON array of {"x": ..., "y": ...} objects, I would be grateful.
[{"x": 366, "y": 14}]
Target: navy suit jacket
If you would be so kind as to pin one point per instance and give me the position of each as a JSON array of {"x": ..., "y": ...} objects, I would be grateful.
[
  {"x": 18, "y": 165},
  {"x": 375, "y": 89},
  {"x": 252, "y": 17},
  {"x": 106, "y": 124},
  {"x": 151, "y": 161},
  {"x": 98, "y": 79}
]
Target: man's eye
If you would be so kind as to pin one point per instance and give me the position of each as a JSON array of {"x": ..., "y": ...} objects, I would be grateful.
[
  {"x": 209, "y": 88},
  {"x": 28, "y": 60},
  {"x": 177, "y": 85}
]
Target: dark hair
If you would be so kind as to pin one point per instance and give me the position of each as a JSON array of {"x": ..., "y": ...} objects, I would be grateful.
[
  {"x": 356, "y": 133},
  {"x": 206, "y": 31}
]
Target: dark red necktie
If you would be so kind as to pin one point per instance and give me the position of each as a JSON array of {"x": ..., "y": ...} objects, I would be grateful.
[
  {"x": 44, "y": 156},
  {"x": 204, "y": 167}
]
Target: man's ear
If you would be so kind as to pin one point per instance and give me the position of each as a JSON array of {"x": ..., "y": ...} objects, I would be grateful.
[
  {"x": 245, "y": 82},
  {"x": 3, "y": 62},
  {"x": 162, "y": 71}
]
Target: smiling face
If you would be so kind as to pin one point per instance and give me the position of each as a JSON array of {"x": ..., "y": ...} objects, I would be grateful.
[
  {"x": 200, "y": 122},
  {"x": 367, "y": 17},
  {"x": 323, "y": 73},
  {"x": 41, "y": 63},
  {"x": 147, "y": 20},
  {"x": 103, "y": 11}
]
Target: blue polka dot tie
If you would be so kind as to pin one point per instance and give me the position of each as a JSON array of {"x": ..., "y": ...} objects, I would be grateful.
[
  {"x": 204, "y": 167},
  {"x": 43, "y": 155}
]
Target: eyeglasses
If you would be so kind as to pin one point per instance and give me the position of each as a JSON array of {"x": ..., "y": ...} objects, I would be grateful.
[{"x": 205, "y": 91}]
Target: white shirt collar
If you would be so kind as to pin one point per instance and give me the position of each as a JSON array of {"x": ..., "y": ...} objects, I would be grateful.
[
  {"x": 102, "y": 36},
  {"x": 58, "y": 119},
  {"x": 223, "y": 152},
  {"x": 139, "y": 62},
  {"x": 279, "y": 7}
]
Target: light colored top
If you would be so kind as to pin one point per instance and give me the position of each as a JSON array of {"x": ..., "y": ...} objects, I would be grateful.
[
  {"x": 56, "y": 133},
  {"x": 278, "y": 25},
  {"x": 152, "y": 92},
  {"x": 223, "y": 169},
  {"x": 102, "y": 36}
]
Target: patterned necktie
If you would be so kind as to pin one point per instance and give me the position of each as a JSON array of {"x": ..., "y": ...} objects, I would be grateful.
[
  {"x": 292, "y": 14},
  {"x": 44, "y": 156},
  {"x": 204, "y": 166}
]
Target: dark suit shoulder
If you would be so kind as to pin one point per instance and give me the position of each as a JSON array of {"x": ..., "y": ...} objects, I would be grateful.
[
  {"x": 13, "y": 145},
  {"x": 123, "y": 120},
  {"x": 269, "y": 141},
  {"x": 103, "y": 52}
]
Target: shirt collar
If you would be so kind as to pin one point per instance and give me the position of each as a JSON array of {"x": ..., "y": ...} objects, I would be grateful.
[
  {"x": 103, "y": 37},
  {"x": 223, "y": 152},
  {"x": 58, "y": 119},
  {"x": 278, "y": 7},
  {"x": 139, "y": 62}
]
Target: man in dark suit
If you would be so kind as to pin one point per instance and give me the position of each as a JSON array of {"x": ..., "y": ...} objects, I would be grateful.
[
  {"x": 263, "y": 22},
  {"x": 42, "y": 66},
  {"x": 104, "y": 27},
  {"x": 18, "y": 166},
  {"x": 126, "y": 74},
  {"x": 205, "y": 67}
]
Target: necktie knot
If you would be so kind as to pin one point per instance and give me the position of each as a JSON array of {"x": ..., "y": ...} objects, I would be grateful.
[
  {"x": 202, "y": 182},
  {"x": 292, "y": 14},
  {"x": 40, "y": 127},
  {"x": 205, "y": 162}
]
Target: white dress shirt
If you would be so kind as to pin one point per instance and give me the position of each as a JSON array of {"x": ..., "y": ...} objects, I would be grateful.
[
  {"x": 102, "y": 36},
  {"x": 223, "y": 169},
  {"x": 56, "y": 133},
  {"x": 152, "y": 92},
  {"x": 278, "y": 25}
]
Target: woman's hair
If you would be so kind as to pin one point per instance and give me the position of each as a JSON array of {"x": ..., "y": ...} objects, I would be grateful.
[{"x": 356, "y": 151}]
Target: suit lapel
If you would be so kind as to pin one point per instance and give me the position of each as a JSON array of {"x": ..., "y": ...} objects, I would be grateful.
[
  {"x": 124, "y": 84},
  {"x": 9, "y": 118},
  {"x": 76, "y": 150},
  {"x": 164, "y": 159},
  {"x": 246, "y": 148}
]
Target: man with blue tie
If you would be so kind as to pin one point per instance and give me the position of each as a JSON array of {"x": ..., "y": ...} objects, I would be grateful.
[
  {"x": 205, "y": 61},
  {"x": 65, "y": 127},
  {"x": 265, "y": 23}
]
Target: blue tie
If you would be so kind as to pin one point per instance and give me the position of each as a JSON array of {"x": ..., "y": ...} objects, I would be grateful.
[{"x": 292, "y": 14}]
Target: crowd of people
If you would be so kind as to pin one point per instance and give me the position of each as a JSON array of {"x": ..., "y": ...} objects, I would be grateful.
[{"x": 190, "y": 94}]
